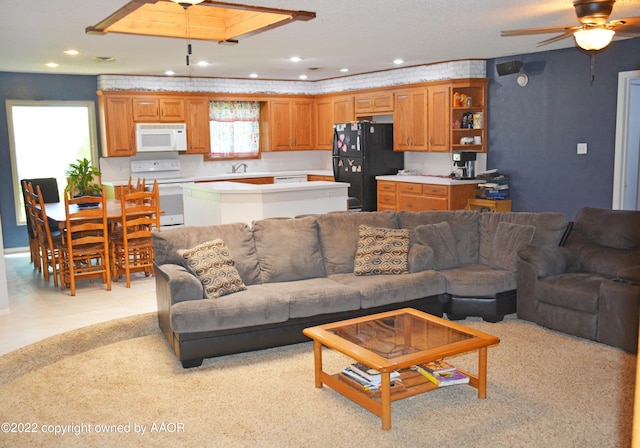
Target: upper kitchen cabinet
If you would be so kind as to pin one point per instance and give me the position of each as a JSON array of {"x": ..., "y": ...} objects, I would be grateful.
[
  {"x": 410, "y": 120},
  {"x": 328, "y": 111},
  {"x": 374, "y": 103},
  {"x": 438, "y": 123},
  {"x": 150, "y": 109},
  {"x": 287, "y": 124},
  {"x": 198, "y": 136},
  {"x": 116, "y": 125},
  {"x": 468, "y": 123}
]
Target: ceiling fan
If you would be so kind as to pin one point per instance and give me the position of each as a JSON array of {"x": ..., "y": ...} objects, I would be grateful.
[{"x": 594, "y": 32}]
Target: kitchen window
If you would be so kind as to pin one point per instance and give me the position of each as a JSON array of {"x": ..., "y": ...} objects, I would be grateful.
[{"x": 234, "y": 128}]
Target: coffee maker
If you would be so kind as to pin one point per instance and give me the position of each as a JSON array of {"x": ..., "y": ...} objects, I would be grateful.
[{"x": 467, "y": 162}]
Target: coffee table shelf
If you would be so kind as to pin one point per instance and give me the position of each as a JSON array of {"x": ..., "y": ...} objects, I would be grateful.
[{"x": 425, "y": 338}]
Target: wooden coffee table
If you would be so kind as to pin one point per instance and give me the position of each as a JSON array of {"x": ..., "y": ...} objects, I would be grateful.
[{"x": 395, "y": 341}]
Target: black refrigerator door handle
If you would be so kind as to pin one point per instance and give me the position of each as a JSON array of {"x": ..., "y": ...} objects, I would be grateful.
[{"x": 335, "y": 150}]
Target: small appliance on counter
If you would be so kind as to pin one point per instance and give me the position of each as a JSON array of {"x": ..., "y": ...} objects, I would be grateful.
[{"x": 466, "y": 161}]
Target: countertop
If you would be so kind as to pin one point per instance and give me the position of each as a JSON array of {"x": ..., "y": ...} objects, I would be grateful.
[
  {"x": 426, "y": 179},
  {"x": 230, "y": 176},
  {"x": 242, "y": 188}
]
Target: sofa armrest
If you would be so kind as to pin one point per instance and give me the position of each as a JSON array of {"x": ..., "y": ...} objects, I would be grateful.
[
  {"x": 547, "y": 261},
  {"x": 180, "y": 284},
  {"x": 618, "y": 314}
]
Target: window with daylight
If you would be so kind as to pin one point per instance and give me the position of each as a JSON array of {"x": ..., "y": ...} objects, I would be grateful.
[{"x": 234, "y": 128}]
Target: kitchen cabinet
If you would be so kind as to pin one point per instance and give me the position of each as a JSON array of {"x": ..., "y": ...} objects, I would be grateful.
[
  {"x": 417, "y": 197},
  {"x": 489, "y": 205},
  {"x": 410, "y": 120},
  {"x": 315, "y": 177},
  {"x": 328, "y": 111},
  {"x": 116, "y": 125},
  {"x": 380, "y": 102},
  {"x": 153, "y": 109},
  {"x": 438, "y": 113},
  {"x": 288, "y": 124},
  {"x": 197, "y": 119},
  {"x": 468, "y": 97}
]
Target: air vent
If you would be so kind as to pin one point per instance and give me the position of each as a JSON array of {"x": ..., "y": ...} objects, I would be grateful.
[{"x": 104, "y": 59}]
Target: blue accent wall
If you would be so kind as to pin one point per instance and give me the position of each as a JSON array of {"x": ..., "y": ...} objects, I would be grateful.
[
  {"x": 40, "y": 87},
  {"x": 534, "y": 130}
]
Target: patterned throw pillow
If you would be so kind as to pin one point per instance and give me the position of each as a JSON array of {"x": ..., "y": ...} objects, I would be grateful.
[
  {"x": 211, "y": 262},
  {"x": 382, "y": 251}
]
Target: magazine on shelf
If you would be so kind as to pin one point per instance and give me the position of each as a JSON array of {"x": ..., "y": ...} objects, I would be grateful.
[
  {"x": 370, "y": 374},
  {"x": 437, "y": 366},
  {"x": 445, "y": 378}
]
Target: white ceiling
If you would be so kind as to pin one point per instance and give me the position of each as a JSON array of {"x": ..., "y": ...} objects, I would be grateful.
[{"x": 362, "y": 35}]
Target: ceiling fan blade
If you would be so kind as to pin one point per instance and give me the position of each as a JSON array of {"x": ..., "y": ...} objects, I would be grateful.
[
  {"x": 551, "y": 40},
  {"x": 544, "y": 30}
]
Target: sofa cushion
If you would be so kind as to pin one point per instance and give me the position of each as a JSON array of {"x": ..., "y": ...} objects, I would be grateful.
[
  {"x": 618, "y": 229},
  {"x": 214, "y": 267},
  {"x": 381, "y": 251},
  {"x": 339, "y": 236},
  {"x": 237, "y": 236},
  {"x": 315, "y": 296},
  {"x": 252, "y": 307},
  {"x": 478, "y": 280},
  {"x": 288, "y": 249},
  {"x": 550, "y": 227},
  {"x": 576, "y": 291},
  {"x": 507, "y": 241},
  {"x": 378, "y": 290},
  {"x": 464, "y": 225},
  {"x": 440, "y": 238}
]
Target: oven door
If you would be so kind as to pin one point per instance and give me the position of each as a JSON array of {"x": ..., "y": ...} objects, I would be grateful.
[{"x": 171, "y": 204}]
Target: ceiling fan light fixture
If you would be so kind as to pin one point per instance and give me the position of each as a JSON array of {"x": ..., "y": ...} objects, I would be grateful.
[
  {"x": 593, "y": 38},
  {"x": 186, "y": 3}
]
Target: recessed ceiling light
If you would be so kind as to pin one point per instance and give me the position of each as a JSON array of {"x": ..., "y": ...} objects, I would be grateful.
[
  {"x": 303, "y": 77},
  {"x": 253, "y": 75},
  {"x": 169, "y": 73},
  {"x": 72, "y": 52},
  {"x": 398, "y": 61},
  {"x": 344, "y": 70},
  {"x": 295, "y": 59},
  {"x": 203, "y": 63},
  {"x": 52, "y": 64}
]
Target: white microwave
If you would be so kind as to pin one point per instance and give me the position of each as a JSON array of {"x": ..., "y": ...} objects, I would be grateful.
[{"x": 154, "y": 137}]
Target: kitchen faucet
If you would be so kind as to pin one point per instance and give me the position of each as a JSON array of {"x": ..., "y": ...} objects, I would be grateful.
[{"x": 236, "y": 168}]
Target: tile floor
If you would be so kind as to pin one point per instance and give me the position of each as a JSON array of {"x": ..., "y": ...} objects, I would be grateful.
[{"x": 38, "y": 310}]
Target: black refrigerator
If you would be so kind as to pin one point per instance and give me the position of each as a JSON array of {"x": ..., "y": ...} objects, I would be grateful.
[{"x": 362, "y": 151}]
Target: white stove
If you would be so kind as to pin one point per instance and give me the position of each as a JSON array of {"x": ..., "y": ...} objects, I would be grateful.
[{"x": 167, "y": 173}]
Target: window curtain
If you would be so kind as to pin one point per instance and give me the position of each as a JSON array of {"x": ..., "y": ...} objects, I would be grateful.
[{"x": 234, "y": 127}]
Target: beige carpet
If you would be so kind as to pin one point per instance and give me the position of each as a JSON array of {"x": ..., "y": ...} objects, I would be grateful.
[{"x": 545, "y": 389}]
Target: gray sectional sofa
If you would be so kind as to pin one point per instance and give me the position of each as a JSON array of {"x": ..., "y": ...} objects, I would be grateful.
[{"x": 299, "y": 272}]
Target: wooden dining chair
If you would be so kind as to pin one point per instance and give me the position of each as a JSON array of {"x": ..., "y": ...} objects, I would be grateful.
[
  {"x": 85, "y": 241},
  {"x": 131, "y": 244},
  {"x": 49, "y": 242},
  {"x": 30, "y": 206},
  {"x": 49, "y": 188}
]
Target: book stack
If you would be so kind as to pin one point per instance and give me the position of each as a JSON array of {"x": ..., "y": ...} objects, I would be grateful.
[
  {"x": 369, "y": 379},
  {"x": 441, "y": 373}
]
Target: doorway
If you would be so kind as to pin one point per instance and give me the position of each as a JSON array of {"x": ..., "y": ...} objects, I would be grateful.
[{"x": 626, "y": 185}]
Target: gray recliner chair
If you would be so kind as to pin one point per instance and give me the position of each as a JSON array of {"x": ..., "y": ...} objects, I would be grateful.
[{"x": 590, "y": 287}]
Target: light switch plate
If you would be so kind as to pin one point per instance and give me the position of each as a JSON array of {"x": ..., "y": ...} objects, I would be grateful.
[{"x": 582, "y": 148}]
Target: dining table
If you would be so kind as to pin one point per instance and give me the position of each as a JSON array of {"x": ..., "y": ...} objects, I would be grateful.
[{"x": 56, "y": 211}]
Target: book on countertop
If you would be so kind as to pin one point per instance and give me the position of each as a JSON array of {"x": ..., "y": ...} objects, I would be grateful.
[
  {"x": 443, "y": 379},
  {"x": 437, "y": 366}
]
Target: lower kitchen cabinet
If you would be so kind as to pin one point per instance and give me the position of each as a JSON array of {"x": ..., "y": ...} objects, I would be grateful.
[{"x": 419, "y": 197}]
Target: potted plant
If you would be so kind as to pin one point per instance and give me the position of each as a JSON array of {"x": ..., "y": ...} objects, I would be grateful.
[{"x": 82, "y": 180}]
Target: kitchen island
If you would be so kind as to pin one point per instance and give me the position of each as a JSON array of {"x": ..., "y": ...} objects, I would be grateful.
[{"x": 209, "y": 203}]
